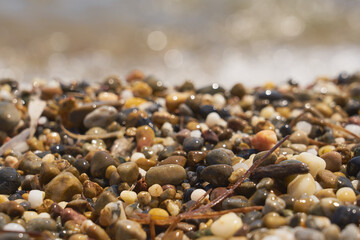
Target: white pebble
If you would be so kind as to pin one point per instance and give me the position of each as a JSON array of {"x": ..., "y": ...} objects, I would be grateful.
[
  {"x": 14, "y": 227},
  {"x": 295, "y": 113},
  {"x": 168, "y": 141},
  {"x": 219, "y": 101},
  {"x": 155, "y": 190},
  {"x": 318, "y": 186},
  {"x": 142, "y": 172},
  {"x": 129, "y": 197},
  {"x": 195, "y": 133},
  {"x": 28, "y": 215},
  {"x": 157, "y": 148},
  {"x": 302, "y": 184},
  {"x": 197, "y": 194},
  {"x": 353, "y": 128},
  {"x": 312, "y": 151},
  {"x": 203, "y": 127},
  {"x": 62, "y": 204},
  {"x": 136, "y": 156},
  {"x": 126, "y": 94},
  {"x": 42, "y": 120},
  {"x": 212, "y": 119},
  {"x": 240, "y": 165},
  {"x": 35, "y": 198},
  {"x": 44, "y": 215},
  {"x": 315, "y": 163},
  {"x": 267, "y": 112},
  {"x": 304, "y": 126},
  {"x": 226, "y": 226},
  {"x": 355, "y": 183},
  {"x": 340, "y": 140},
  {"x": 167, "y": 128}
]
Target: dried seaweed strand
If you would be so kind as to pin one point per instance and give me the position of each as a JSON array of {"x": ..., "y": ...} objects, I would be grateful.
[{"x": 93, "y": 136}]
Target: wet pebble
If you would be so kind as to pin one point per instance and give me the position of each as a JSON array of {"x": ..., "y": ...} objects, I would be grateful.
[
  {"x": 165, "y": 174},
  {"x": 9, "y": 180},
  {"x": 9, "y": 116},
  {"x": 218, "y": 156},
  {"x": 192, "y": 144},
  {"x": 217, "y": 175},
  {"x": 63, "y": 187}
]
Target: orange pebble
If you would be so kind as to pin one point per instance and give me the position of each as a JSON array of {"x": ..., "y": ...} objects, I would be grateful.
[{"x": 264, "y": 140}]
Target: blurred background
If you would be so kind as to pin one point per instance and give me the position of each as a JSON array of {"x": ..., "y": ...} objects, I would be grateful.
[{"x": 249, "y": 41}]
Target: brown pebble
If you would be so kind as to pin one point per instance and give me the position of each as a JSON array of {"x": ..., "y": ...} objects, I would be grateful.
[
  {"x": 299, "y": 137},
  {"x": 12, "y": 208},
  {"x": 326, "y": 179},
  {"x": 144, "y": 137},
  {"x": 236, "y": 124},
  {"x": 97, "y": 232},
  {"x": 91, "y": 189},
  {"x": 195, "y": 157},
  {"x": 179, "y": 160},
  {"x": 333, "y": 161},
  {"x": 325, "y": 193}
]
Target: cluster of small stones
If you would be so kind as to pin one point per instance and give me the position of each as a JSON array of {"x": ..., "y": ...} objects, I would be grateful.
[{"x": 173, "y": 146}]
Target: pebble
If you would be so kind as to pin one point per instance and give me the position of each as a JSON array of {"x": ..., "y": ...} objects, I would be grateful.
[
  {"x": 218, "y": 156},
  {"x": 346, "y": 194},
  {"x": 197, "y": 194},
  {"x": 350, "y": 232},
  {"x": 353, "y": 166},
  {"x": 9, "y": 116},
  {"x": 304, "y": 183},
  {"x": 99, "y": 163},
  {"x": 165, "y": 174},
  {"x": 226, "y": 226},
  {"x": 41, "y": 224},
  {"x": 345, "y": 215},
  {"x": 128, "y": 172},
  {"x": 128, "y": 197},
  {"x": 332, "y": 160},
  {"x": 158, "y": 213},
  {"x": 217, "y": 175},
  {"x": 308, "y": 234},
  {"x": 332, "y": 232},
  {"x": 327, "y": 179},
  {"x": 315, "y": 163},
  {"x": 127, "y": 229},
  {"x": 238, "y": 90},
  {"x": 14, "y": 227},
  {"x": 354, "y": 128},
  {"x": 35, "y": 198},
  {"x": 155, "y": 190},
  {"x": 273, "y": 220},
  {"x": 264, "y": 140},
  {"x": 179, "y": 160},
  {"x": 100, "y": 117},
  {"x": 63, "y": 187},
  {"x": 9, "y": 180},
  {"x": 144, "y": 137},
  {"x": 214, "y": 119},
  {"x": 304, "y": 126},
  {"x": 299, "y": 137},
  {"x": 192, "y": 144}
]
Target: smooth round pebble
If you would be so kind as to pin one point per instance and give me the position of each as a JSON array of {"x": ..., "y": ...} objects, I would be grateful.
[
  {"x": 226, "y": 226},
  {"x": 35, "y": 198}
]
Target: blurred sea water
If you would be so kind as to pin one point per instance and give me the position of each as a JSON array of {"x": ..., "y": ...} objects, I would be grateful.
[{"x": 250, "y": 41}]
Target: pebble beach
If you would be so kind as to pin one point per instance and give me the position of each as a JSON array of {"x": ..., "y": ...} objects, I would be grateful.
[{"x": 134, "y": 158}]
